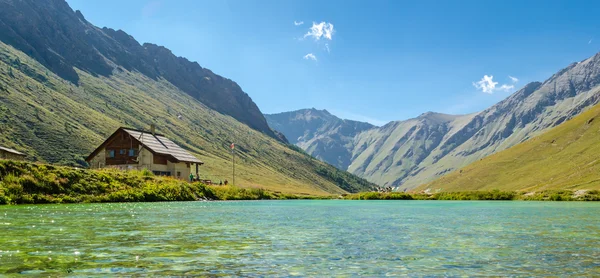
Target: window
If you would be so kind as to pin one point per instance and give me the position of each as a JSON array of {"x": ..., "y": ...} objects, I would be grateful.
[
  {"x": 179, "y": 174},
  {"x": 131, "y": 152},
  {"x": 122, "y": 151},
  {"x": 111, "y": 153}
]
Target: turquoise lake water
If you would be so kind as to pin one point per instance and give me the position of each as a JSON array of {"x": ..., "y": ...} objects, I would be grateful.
[{"x": 303, "y": 238}]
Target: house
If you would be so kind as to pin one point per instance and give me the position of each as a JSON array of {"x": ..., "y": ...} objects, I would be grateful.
[
  {"x": 6, "y": 153},
  {"x": 135, "y": 149}
]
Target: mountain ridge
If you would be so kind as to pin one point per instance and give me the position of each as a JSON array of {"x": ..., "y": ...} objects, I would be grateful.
[
  {"x": 408, "y": 153},
  {"x": 320, "y": 133},
  {"x": 62, "y": 39}
]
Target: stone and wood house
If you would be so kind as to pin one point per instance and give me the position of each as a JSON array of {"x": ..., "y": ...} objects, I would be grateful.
[
  {"x": 6, "y": 153},
  {"x": 135, "y": 149}
]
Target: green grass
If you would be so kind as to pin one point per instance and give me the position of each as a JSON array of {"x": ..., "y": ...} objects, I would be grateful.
[
  {"x": 564, "y": 158},
  {"x": 54, "y": 121},
  {"x": 32, "y": 183},
  {"x": 493, "y": 195}
]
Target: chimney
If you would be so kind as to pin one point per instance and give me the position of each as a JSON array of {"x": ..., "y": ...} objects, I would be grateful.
[{"x": 153, "y": 129}]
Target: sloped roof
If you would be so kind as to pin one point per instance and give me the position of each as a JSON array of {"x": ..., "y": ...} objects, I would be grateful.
[
  {"x": 157, "y": 144},
  {"x": 162, "y": 145},
  {"x": 11, "y": 151}
]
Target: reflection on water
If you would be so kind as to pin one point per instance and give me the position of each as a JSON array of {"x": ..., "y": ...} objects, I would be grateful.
[{"x": 306, "y": 238}]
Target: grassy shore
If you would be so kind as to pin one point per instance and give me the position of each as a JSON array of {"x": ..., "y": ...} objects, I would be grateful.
[
  {"x": 31, "y": 183},
  {"x": 545, "y": 195}
]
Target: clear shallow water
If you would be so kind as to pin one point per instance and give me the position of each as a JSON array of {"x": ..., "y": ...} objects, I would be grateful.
[{"x": 304, "y": 238}]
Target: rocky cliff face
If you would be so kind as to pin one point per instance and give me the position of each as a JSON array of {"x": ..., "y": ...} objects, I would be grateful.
[
  {"x": 321, "y": 134},
  {"x": 412, "y": 152},
  {"x": 62, "y": 40}
]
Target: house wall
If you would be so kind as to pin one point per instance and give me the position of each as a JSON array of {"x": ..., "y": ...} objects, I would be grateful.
[
  {"x": 121, "y": 146},
  {"x": 9, "y": 155},
  {"x": 146, "y": 159},
  {"x": 99, "y": 161},
  {"x": 179, "y": 170}
]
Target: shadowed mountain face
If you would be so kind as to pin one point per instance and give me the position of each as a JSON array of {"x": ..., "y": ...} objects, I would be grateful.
[
  {"x": 60, "y": 39},
  {"x": 412, "y": 152},
  {"x": 321, "y": 134}
]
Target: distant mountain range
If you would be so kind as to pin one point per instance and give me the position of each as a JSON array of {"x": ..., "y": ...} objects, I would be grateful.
[
  {"x": 408, "y": 153},
  {"x": 321, "y": 134},
  {"x": 65, "y": 85}
]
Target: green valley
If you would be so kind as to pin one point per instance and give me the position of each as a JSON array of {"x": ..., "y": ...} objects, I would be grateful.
[{"x": 55, "y": 121}]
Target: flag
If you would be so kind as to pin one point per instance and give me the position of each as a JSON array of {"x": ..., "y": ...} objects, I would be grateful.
[{"x": 232, "y": 146}]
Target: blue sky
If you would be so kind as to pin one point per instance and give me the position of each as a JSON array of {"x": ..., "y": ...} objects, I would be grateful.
[{"x": 374, "y": 61}]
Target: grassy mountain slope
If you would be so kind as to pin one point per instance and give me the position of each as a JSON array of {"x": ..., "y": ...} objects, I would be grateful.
[
  {"x": 565, "y": 157},
  {"x": 319, "y": 133},
  {"x": 63, "y": 40},
  {"x": 52, "y": 120}
]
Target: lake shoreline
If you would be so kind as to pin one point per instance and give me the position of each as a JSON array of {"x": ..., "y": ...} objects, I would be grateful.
[{"x": 31, "y": 183}]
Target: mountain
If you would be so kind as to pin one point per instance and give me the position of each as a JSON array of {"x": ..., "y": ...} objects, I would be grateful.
[
  {"x": 565, "y": 157},
  {"x": 416, "y": 151},
  {"x": 319, "y": 133},
  {"x": 63, "y": 40},
  {"x": 65, "y": 85}
]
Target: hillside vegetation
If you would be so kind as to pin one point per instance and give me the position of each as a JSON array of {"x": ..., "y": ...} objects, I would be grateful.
[
  {"x": 29, "y": 183},
  {"x": 565, "y": 157},
  {"x": 55, "y": 121},
  {"x": 63, "y": 41}
]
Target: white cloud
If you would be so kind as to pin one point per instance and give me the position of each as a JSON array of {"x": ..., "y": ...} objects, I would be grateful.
[
  {"x": 298, "y": 23},
  {"x": 506, "y": 88},
  {"x": 327, "y": 47},
  {"x": 323, "y": 29},
  {"x": 310, "y": 56},
  {"x": 486, "y": 84},
  {"x": 590, "y": 41}
]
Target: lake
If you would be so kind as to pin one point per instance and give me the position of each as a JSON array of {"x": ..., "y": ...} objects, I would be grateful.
[{"x": 303, "y": 238}]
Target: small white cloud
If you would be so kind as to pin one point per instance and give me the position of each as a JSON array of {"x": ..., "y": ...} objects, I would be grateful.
[
  {"x": 327, "y": 47},
  {"x": 486, "y": 84},
  {"x": 506, "y": 88},
  {"x": 298, "y": 23},
  {"x": 323, "y": 29},
  {"x": 590, "y": 40},
  {"x": 310, "y": 56}
]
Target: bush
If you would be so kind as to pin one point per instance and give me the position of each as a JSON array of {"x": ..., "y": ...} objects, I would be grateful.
[{"x": 24, "y": 183}]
